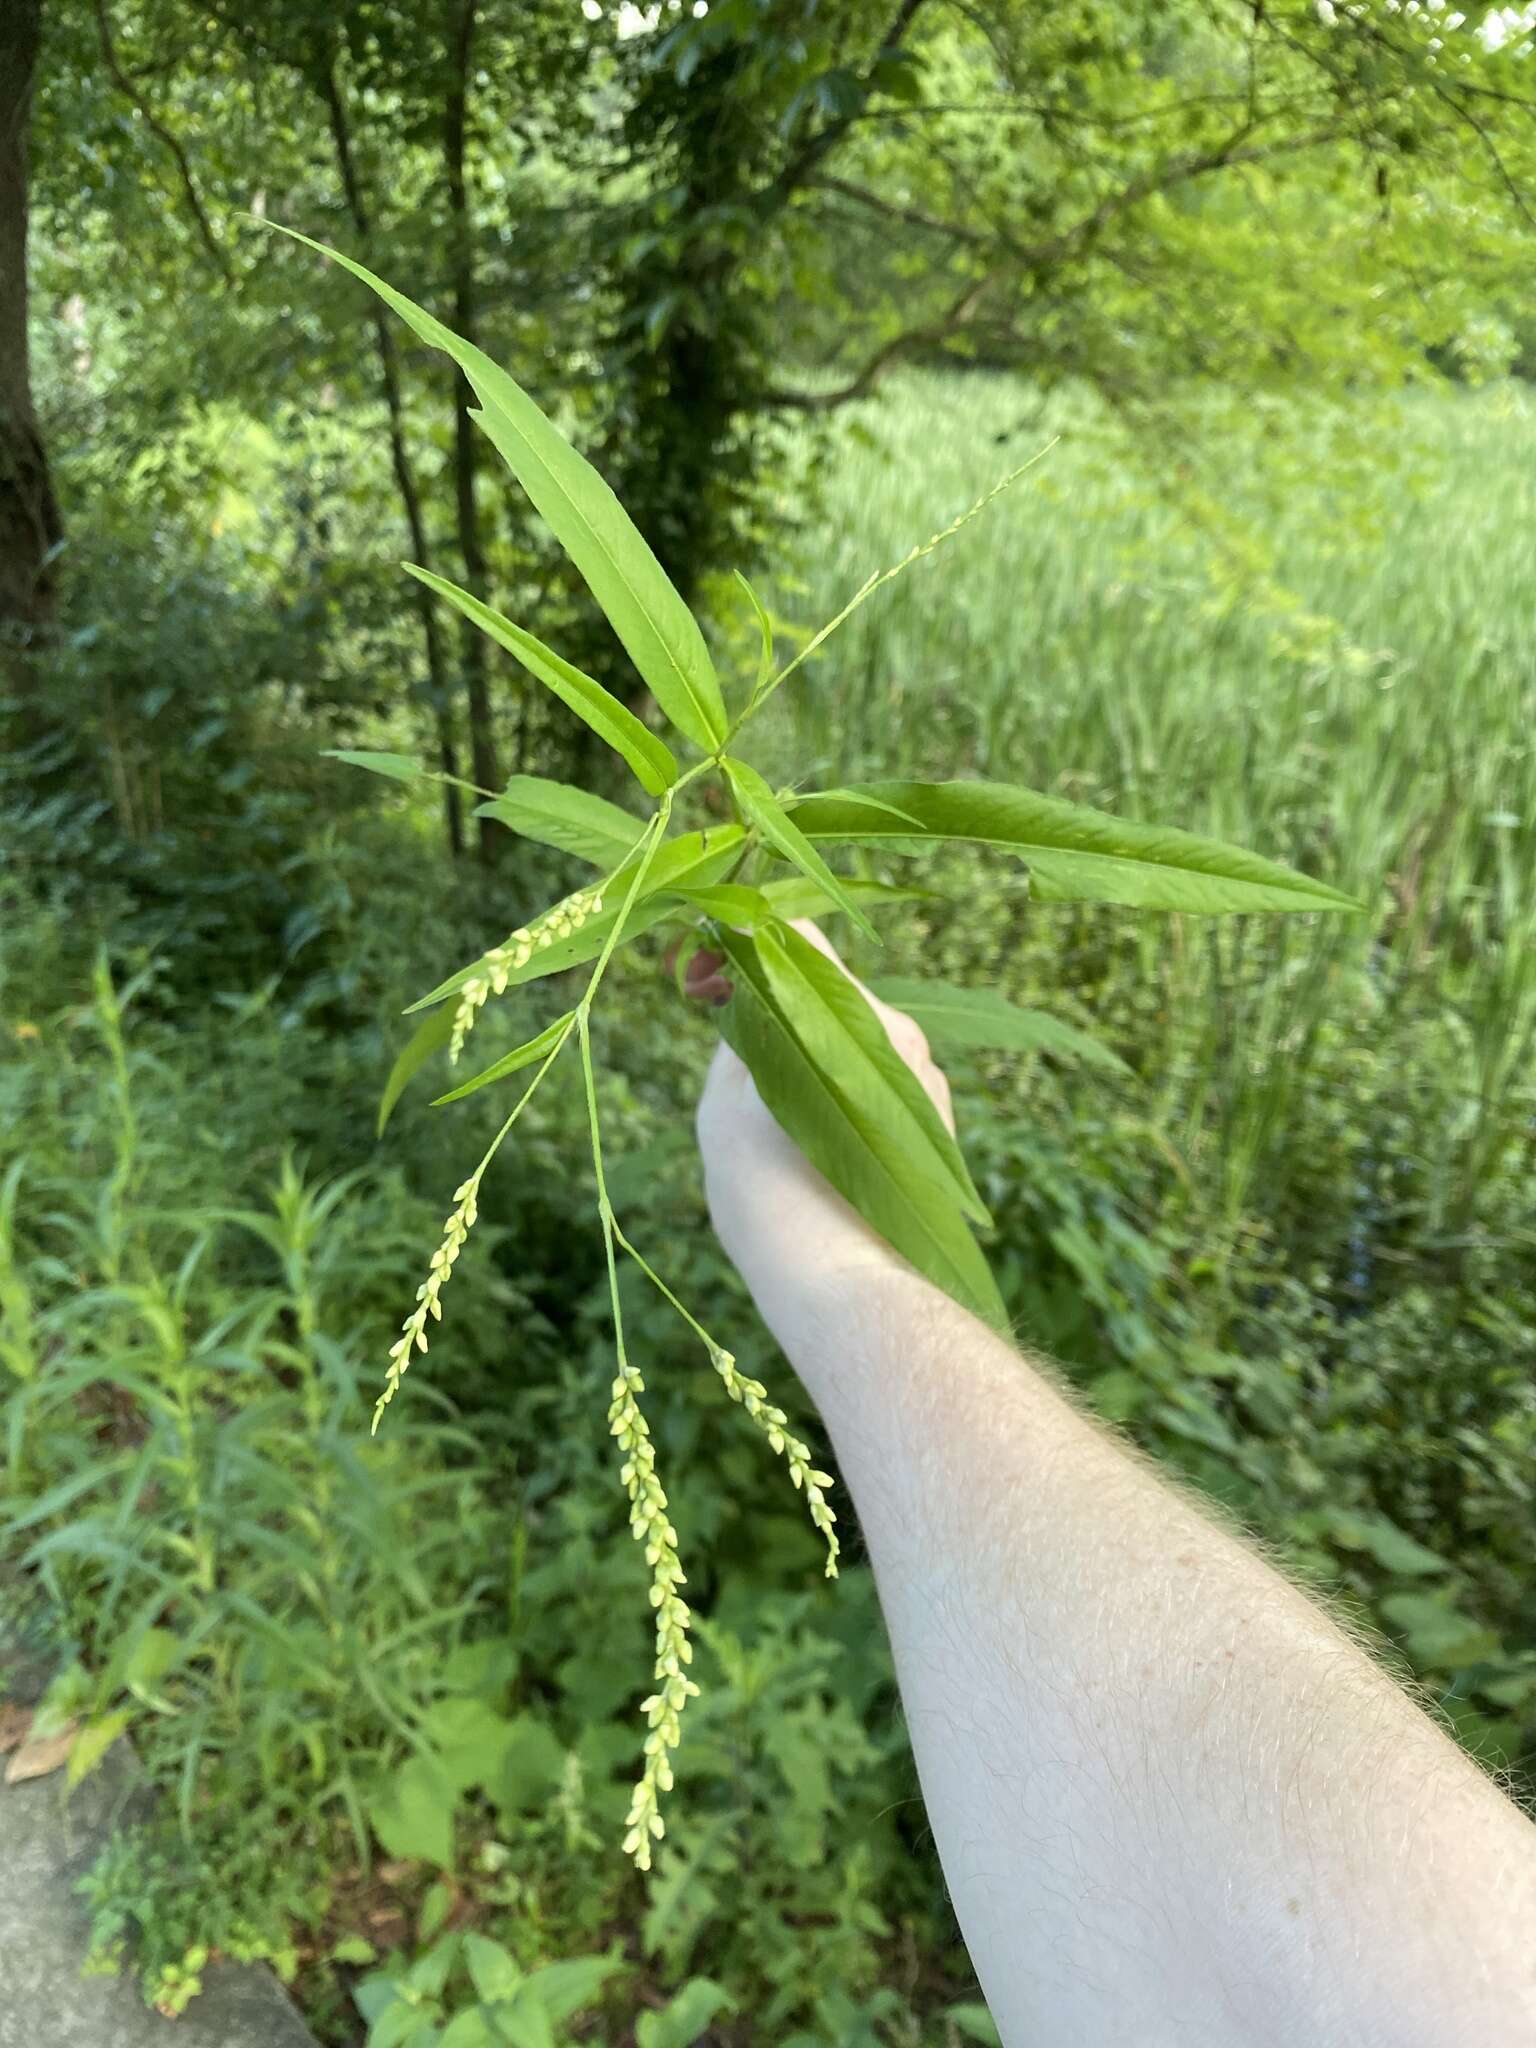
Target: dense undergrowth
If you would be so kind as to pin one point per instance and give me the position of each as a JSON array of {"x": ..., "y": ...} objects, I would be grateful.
[{"x": 386, "y": 1685}]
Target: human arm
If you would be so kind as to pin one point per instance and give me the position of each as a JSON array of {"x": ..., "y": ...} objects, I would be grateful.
[{"x": 1173, "y": 1801}]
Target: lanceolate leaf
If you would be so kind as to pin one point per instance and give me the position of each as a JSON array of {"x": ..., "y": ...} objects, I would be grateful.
[
  {"x": 857, "y": 1155},
  {"x": 765, "y": 629},
  {"x": 398, "y": 767},
  {"x": 732, "y": 903},
  {"x": 660, "y": 633},
  {"x": 430, "y": 1036},
  {"x": 692, "y": 857},
  {"x": 575, "y": 821},
  {"x": 834, "y": 1022},
  {"x": 983, "y": 1017},
  {"x": 799, "y": 896},
  {"x": 765, "y": 811},
  {"x": 1074, "y": 854},
  {"x": 650, "y": 757},
  {"x": 861, "y": 796},
  {"x": 512, "y": 1062}
]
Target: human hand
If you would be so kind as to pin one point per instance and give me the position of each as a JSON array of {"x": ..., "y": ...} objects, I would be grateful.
[{"x": 785, "y": 1228}]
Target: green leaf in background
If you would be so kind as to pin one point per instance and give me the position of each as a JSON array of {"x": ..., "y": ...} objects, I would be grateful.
[
  {"x": 680, "y": 2023},
  {"x": 398, "y": 767},
  {"x": 764, "y": 810},
  {"x": 832, "y": 1019},
  {"x": 983, "y": 1017},
  {"x": 976, "y": 2024},
  {"x": 413, "y": 1813},
  {"x": 430, "y": 1036},
  {"x": 513, "y": 1062},
  {"x": 1074, "y": 854},
  {"x": 570, "y": 819},
  {"x": 1393, "y": 1548},
  {"x": 493, "y": 1972},
  {"x": 467, "y": 2029},
  {"x": 651, "y": 758},
  {"x": 92, "y": 1743},
  {"x": 525, "y": 2024},
  {"x": 858, "y": 1157},
  {"x": 661, "y": 634},
  {"x": 567, "y": 1987},
  {"x": 689, "y": 859}
]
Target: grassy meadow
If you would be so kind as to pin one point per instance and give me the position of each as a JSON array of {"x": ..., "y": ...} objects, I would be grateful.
[{"x": 1281, "y": 1230}]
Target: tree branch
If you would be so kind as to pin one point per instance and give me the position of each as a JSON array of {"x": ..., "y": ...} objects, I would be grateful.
[
  {"x": 909, "y": 216},
  {"x": 1042, "y": 257},
  {"x": 932, "y": 335},
  {"x": 799, "y": 168},
  {"x": 162, "y": 134}
]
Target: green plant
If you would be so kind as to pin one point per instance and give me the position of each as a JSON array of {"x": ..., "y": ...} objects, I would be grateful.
[{"x": 818, "y": 1053}]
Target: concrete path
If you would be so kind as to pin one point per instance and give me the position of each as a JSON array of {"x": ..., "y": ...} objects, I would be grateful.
[{"x": 45, "y": 1845}]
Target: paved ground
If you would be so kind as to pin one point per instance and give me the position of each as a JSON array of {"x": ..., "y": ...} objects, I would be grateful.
[{"x": 45, "y": 1844}]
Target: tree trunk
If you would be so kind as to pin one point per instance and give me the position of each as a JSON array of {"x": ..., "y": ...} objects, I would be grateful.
[
  {"x": 482, "y": 743},
  {"x": 29, "y": 518},
  {"x": 405, "y": 475}
]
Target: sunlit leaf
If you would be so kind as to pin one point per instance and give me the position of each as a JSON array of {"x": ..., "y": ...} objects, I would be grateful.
[
  {"x": 398, "y": 767},
  {"x": 660, "y": 633},
  {"x": 575, "y": 821},
  {"x": 1073, "y": 853},
  {"x": 763, "y": 809},
  {"x": 650, "y": 757}
]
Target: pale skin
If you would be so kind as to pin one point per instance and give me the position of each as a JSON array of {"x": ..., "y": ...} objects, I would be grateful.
[{"x": 1174, "y": 1802}]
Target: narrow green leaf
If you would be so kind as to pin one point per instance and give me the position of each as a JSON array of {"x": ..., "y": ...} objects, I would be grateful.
[
  {"x": 398, "y": 767},
  {"x": 765, "y": 628},
  {"x": 765, "y": 811},
  {"x": 651, "y": 758},
  {"x": 512, "y": 1062},
  {"x": 858, "y": 1157},
  {"x": 799, "y": 896},
  {"x": 732, "y": 903},
  {"x": 834, "y": 1022},
  {"x": 660, "y": 633},
  {"x": 575, "y": 821},
  {"x": 688, "y": 859},
  {"x": 860, "y": 796},
  {"x": 430, "y": 1036},
  {"x": 983, "y": 1017},
  {"x": 1074, "y": 854}
]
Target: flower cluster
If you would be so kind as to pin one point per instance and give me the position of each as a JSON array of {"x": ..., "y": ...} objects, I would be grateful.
[
  {"x": 497, "y": 967},
  {"x": 674, "y": 1688},
  {"x": 774, "y": 1424},
  {"x": 459, "y": 1222}
]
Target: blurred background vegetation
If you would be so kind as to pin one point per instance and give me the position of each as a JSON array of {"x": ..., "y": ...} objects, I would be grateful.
[{"x": 803, "y": 279}]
